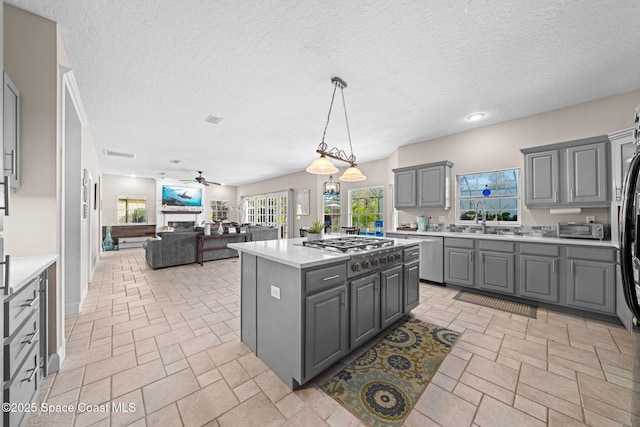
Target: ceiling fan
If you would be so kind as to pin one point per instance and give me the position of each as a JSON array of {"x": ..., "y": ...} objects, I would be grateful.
[{"x": 201, "y": 180}]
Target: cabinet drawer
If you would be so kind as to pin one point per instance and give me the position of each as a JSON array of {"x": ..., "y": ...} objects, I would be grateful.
[
  {"x": 491, "y": 245},
  {"x": 20, "y": 305},
  {"x": 591, "y": 253},
  {"x": 411, "y": 253},
  {"x": 537, "y": 249},
  {"x": 324, "y": 278},
  {"x": 458, "y": 243},
  {"x": 20, "y": 344},
  {"x": 23, "y": 388}
]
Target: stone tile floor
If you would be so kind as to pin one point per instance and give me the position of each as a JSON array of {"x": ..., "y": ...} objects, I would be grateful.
[{"x": 164, "y": 345}]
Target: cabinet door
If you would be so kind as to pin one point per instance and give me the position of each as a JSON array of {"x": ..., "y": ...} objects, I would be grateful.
[
  {"x": 458, "y": 266},
  {"x": 497, "y": 272},
  {"x": 326, "y": 329},
  {"x": 11, "y": 132},
  {"x": 391, "y": 292},
  {"x": 588, "y": 171},
  {"x": 411, "y": 285},
  {"x": 431, "y": 188},
  {"x": 591, "y": 285},
  {"x": 539, "y": 278},
  {"x": 364, "y": 302},
  {"x": 405, "y": 189},
  {"x": 541, "y": 178}
]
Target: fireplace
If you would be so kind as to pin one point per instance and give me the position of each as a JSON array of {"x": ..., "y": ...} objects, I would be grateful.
[{"x": 181, "y": 225}]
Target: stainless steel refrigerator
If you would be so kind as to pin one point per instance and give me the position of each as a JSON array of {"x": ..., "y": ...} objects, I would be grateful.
[{"x": 630, "y": 259}]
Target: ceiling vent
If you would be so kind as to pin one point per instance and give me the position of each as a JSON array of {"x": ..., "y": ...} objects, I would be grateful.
[
  {"x": 175, "y": 161},
  {"x": 117, "y": 154},
  {"x": 213, "y": 119}
]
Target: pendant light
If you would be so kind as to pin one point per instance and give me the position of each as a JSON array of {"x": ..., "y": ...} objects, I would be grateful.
[
  {"x": 331, "y": 188},
  {"x": 323, "y": 165}
]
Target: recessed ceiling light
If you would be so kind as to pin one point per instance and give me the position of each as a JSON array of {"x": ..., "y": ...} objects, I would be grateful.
[{"x": 475, "y": 117}]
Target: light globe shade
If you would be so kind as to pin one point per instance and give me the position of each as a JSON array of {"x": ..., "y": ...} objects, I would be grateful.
[
  {"x": 322, "y": 166},
  {"x": 352, "y": 174}
]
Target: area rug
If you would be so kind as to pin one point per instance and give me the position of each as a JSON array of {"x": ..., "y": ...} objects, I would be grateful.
[
  {"x": 382, "y": 385},
  {"x": 498, "y": 304}
]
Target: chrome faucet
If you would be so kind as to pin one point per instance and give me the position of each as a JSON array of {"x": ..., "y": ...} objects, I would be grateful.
[{"x": 480, "y": 206}]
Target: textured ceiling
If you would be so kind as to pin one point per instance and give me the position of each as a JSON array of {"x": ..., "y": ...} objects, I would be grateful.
[{"x": 150, "y": 72}]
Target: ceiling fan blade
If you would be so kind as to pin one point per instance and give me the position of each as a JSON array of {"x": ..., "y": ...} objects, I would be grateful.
[{"x": 214, "y": 183}]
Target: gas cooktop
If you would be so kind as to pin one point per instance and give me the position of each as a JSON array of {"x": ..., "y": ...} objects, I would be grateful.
[{"x": 350, "y": 244}]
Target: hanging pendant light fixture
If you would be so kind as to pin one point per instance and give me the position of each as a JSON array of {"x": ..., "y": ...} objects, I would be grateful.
[
  {"x": 323, "y": 165},
  {"x": 331, "y": 188}
]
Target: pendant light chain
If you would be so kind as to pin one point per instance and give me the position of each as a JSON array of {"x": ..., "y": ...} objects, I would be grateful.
[
  {"x": 329, "y": 116},
  {"x": 346, "y": 119}
]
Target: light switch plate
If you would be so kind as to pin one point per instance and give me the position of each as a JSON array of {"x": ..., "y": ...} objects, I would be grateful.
[
  {"x": 275, "y": 292},
  {"x": 442, "y": 219}
]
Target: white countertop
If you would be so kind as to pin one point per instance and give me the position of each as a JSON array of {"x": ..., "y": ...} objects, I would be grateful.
[
  {"x": 515, "y": 238},
  {"x": 23, "y": 269},
  {"x": 291, "y": 252}
]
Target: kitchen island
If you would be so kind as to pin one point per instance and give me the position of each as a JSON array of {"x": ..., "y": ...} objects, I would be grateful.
[{"x": 304, "y": 308}]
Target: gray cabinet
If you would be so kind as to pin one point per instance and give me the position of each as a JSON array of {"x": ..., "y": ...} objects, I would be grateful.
[
  {"x": 405, "y": 188},
  {"x": 539, "y": 272},
  {"x": 24, "y": 349},
  {"x": 459, "y": 265},
  {"x": 591, "y": 285},
  {"x": 391, "y": 294},
  {"x": 411, "y": 285},
  {"x": 11, "y": 132},
  {"x": 496, "y": 266},
  {"x": 364, "y": 304},
  {"x": 426, "y": 186},
  {"x": 326, "y": 329},
  {"x": 434, "y": 184},
  {"x": 574, "y": 173}
]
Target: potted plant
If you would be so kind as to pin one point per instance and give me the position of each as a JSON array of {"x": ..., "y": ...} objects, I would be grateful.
[{"x": 315, "y": 231}]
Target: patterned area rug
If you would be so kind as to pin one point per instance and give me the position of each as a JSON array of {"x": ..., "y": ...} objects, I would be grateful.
[{"x": 382, "y": 385}]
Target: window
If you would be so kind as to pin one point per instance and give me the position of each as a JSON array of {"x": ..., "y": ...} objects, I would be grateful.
[
  {"x": 498, "y": 191},
  {"x": 331, "y": 205},
  {"x": 367, "y": 209},
  {"x": 267, "y": 209},
  {"x": 219, "y": 210},
  {"x": 132, "y": 210}
]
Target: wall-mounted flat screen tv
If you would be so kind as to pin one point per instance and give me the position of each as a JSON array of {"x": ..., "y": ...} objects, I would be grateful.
[{"x": 181, "y": 196}]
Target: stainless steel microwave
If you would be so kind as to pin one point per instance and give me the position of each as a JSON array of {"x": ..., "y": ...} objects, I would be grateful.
[{"x": 581, "y": 231}]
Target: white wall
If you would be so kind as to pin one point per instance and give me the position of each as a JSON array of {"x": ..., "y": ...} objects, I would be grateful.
[
  {"x": 30, "y": 60},
  {"x": 117, "y": 185}
]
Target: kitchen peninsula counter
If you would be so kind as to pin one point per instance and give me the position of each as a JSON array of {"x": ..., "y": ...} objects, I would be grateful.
[{"x": 305, "y": 308}]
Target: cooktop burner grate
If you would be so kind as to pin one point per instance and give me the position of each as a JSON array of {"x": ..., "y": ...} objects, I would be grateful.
[{"x": 350, "y": 244}]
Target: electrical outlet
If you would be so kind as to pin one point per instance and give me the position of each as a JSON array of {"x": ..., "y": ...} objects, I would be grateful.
[
  {"x": 591, "y": 219},
  {"x": 442, "y": 219},
  {"x": 275, "y": 292}
]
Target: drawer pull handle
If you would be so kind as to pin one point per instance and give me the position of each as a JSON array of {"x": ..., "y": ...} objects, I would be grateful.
[
  {"x": 30, "y": 302},
  {"x": 13, "y": 162},
  {"x": 33, "y": 335},
  {"x": 34, "y": 371},
  {"x": 415, "y": 253},
  {"x": 6, "y": 274},
  {"x": 413, "y": 268},
  {"x": 5, "y": 184},
  {"x": 330, "y": 277}
]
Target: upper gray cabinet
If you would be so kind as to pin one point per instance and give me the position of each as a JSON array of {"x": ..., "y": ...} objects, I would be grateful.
[
  {"x": 425, "y": 186},
  {"x": 11, "y": 132},
  {"x": 574, "y": 173}
]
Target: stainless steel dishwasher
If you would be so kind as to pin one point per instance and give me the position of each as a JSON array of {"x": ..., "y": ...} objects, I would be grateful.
[{"x": 431, "y": 258}]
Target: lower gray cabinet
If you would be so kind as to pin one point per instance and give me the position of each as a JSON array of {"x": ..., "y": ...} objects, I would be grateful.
[
  {"x": 539, "y": 277},
  {"x": 411, "y": 285},
  {"x": 391, "y": 293},
  {"x": 327, "y": 329},
  {"x": 459, "y": 266},
  {"x": 496, "y": 272},
  {"x": 591, "y": 285},
  {"x": 364, "y": 304}
]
